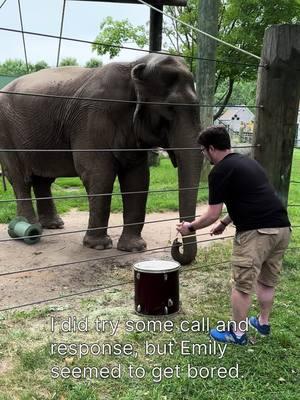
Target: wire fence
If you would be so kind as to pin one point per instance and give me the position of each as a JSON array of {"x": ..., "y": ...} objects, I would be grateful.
[
  {"x": 96, "y": 229},
  {"x": 120, "y": 101},
  {"x": 123, "y": 101},
  {"x": 122, "y": 47},
  {"x": 67, "y": 197},
  {"x": 102, "y": 288},
  {"x": 111, "y": 257},
  {"x": 1, "y": 5}
]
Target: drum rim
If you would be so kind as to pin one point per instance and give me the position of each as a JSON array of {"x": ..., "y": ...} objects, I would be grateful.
[{"x": 158, "y": 271}]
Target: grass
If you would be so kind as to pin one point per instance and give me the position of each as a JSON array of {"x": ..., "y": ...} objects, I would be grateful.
[{"x": 268, "y": 369}]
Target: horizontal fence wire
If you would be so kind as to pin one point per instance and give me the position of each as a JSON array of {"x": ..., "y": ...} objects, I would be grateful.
[
  {"x": 89, "y": 291},
  {"x": 115, "y": 285},
  {"x": 121, "y": 101},
  {"x": 102, "y": 288},
  {"x": 54, "y": 266},
  {"x": 67, "y": 197},
  {"x": 107, "y": 227},
  {"x": 34, "y": 303},
  {"x": 67, "y": 264},
  {"x": 99, "y": 228},
  {"x": 114, "y": 150},
  {"x": 122, "y": 47}
]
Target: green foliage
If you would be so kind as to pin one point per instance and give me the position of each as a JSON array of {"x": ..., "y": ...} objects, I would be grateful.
[
  {"x": 94, "y": 63},
  {"x": 68, "y": 61},
  {"x": 40, "y": 65},
  {"x": 18, "y": 67},
  {"x": 243, "y": 24},
  {"x": 118, "y": 33},
  {"x": 243, "y": 93}
]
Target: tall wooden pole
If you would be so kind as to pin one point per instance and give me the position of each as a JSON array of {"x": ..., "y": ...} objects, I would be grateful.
[
  {"x": 278, "y": 92},
  {"x": 156, "y": 21},
  {"x": 206, "y": 70}
]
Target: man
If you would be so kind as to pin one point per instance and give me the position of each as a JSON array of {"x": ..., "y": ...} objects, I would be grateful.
[{"x": 262, "y": 230}]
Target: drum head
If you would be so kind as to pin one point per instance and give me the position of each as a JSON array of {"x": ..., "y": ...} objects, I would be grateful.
[{"x": 156, "y": 266}]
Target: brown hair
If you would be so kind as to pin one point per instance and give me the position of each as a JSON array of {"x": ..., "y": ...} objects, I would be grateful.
[{"x": 216, "y": 136}]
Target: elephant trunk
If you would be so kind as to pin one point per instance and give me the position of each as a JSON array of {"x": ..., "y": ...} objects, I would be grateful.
[{"x": 189, "y": 168}]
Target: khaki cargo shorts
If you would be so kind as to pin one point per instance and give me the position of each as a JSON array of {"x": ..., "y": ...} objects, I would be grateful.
[{"x": 257, "y": 256}]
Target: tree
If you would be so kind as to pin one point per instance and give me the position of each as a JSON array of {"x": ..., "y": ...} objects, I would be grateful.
[
  {"x": 93, "y": 63},
  {"x": 241, "y": 23},
  {"x": 40, "y": 65},
  {"x": 206, "y": 70},
  {"x": 118, "y": 33},
  {"x": 16, "y": 67},
  {"x": 68, "y": 61}
]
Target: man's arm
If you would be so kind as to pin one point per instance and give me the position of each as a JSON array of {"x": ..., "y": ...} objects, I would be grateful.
[
  {"x": 221, "y": 226},
  {"x": 212, "y": 213}
]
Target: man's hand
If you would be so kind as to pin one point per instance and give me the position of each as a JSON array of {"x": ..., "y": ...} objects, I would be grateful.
[
  {"x": 218, "y": 229},
  {"x": 183, "y": 228}
]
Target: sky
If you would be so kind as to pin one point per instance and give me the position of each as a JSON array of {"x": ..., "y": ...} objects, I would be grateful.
[{"x": 82, "y": 21}]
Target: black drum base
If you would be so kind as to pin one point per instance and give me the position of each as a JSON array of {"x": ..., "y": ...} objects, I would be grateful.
[{"x": 156, "y": 293}]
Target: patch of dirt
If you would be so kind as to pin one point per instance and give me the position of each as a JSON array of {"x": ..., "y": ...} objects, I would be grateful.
[
  {"x": 5, "y": 366},
  {"x": 34, "y": 286}
]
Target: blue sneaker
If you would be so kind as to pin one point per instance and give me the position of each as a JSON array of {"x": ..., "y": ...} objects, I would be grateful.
[
  {"x": 264, "y": 330},
  {"x": 228, "y": 337}
]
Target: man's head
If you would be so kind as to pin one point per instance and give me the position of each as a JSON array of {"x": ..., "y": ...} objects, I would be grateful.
[{"x": 215, "y": 143}]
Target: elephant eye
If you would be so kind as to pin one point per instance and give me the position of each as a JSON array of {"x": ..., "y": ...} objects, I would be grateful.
[{"x": 170, "y": 78}]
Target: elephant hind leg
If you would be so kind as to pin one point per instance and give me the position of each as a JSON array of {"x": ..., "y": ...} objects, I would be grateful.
[
  {"x": 46, "y": 209},
  {"x": 22, "y": 190}
]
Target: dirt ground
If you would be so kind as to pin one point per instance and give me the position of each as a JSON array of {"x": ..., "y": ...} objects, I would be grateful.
[{"x": 51, "y": 283}]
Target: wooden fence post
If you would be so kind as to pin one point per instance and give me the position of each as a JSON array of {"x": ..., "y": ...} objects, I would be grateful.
[
  {"x": 156, "y": 22},
  {"x": 278, "y": 92}
]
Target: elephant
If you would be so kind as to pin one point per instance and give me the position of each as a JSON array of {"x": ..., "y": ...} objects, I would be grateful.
[{"x": 63, "y": 110}]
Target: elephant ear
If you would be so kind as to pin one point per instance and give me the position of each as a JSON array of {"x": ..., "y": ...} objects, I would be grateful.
[{"x": 137, "y": 76}]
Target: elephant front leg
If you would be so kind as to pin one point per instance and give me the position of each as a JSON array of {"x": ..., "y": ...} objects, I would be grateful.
[
  {"x": 96, "y": 236},
  {"x": 134, "y": 207}
]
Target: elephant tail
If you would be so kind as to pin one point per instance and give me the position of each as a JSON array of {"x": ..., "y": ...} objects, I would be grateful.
[{"x": 2, "y": 174}]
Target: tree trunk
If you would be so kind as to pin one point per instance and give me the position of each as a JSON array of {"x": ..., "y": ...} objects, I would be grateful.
[
  {"x": 206, "y": 70},
  {"x": 278, "y": 91}
]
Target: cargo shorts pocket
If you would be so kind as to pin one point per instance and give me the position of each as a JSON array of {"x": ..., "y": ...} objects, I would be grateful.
[
  {"x": 243, "y": 238},
  {"x": 243, "y": 273},
  {"x": 268, "y": 231}
]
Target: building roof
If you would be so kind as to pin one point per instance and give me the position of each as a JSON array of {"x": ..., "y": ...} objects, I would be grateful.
[
  {"x": 5, "y": 79},
  {"x": 235, "y": 111}
]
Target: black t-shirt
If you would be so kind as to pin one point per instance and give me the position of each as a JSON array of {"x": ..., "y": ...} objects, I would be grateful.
[{"x": 241, "y": 183}]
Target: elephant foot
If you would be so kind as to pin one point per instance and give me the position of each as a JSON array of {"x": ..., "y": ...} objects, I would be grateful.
[
  {"x": 31, "y": 219},
  {"x": 52, "y": 223},
  {"x": 132, "y": 243},
  {"x": 96, "y": 242}
]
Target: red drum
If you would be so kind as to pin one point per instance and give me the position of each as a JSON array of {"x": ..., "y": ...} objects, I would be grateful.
[{"x": 156, "y": 287}]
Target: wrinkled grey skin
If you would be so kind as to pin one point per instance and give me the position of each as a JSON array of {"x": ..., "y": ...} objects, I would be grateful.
[{"x": 48, "y": 123}]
